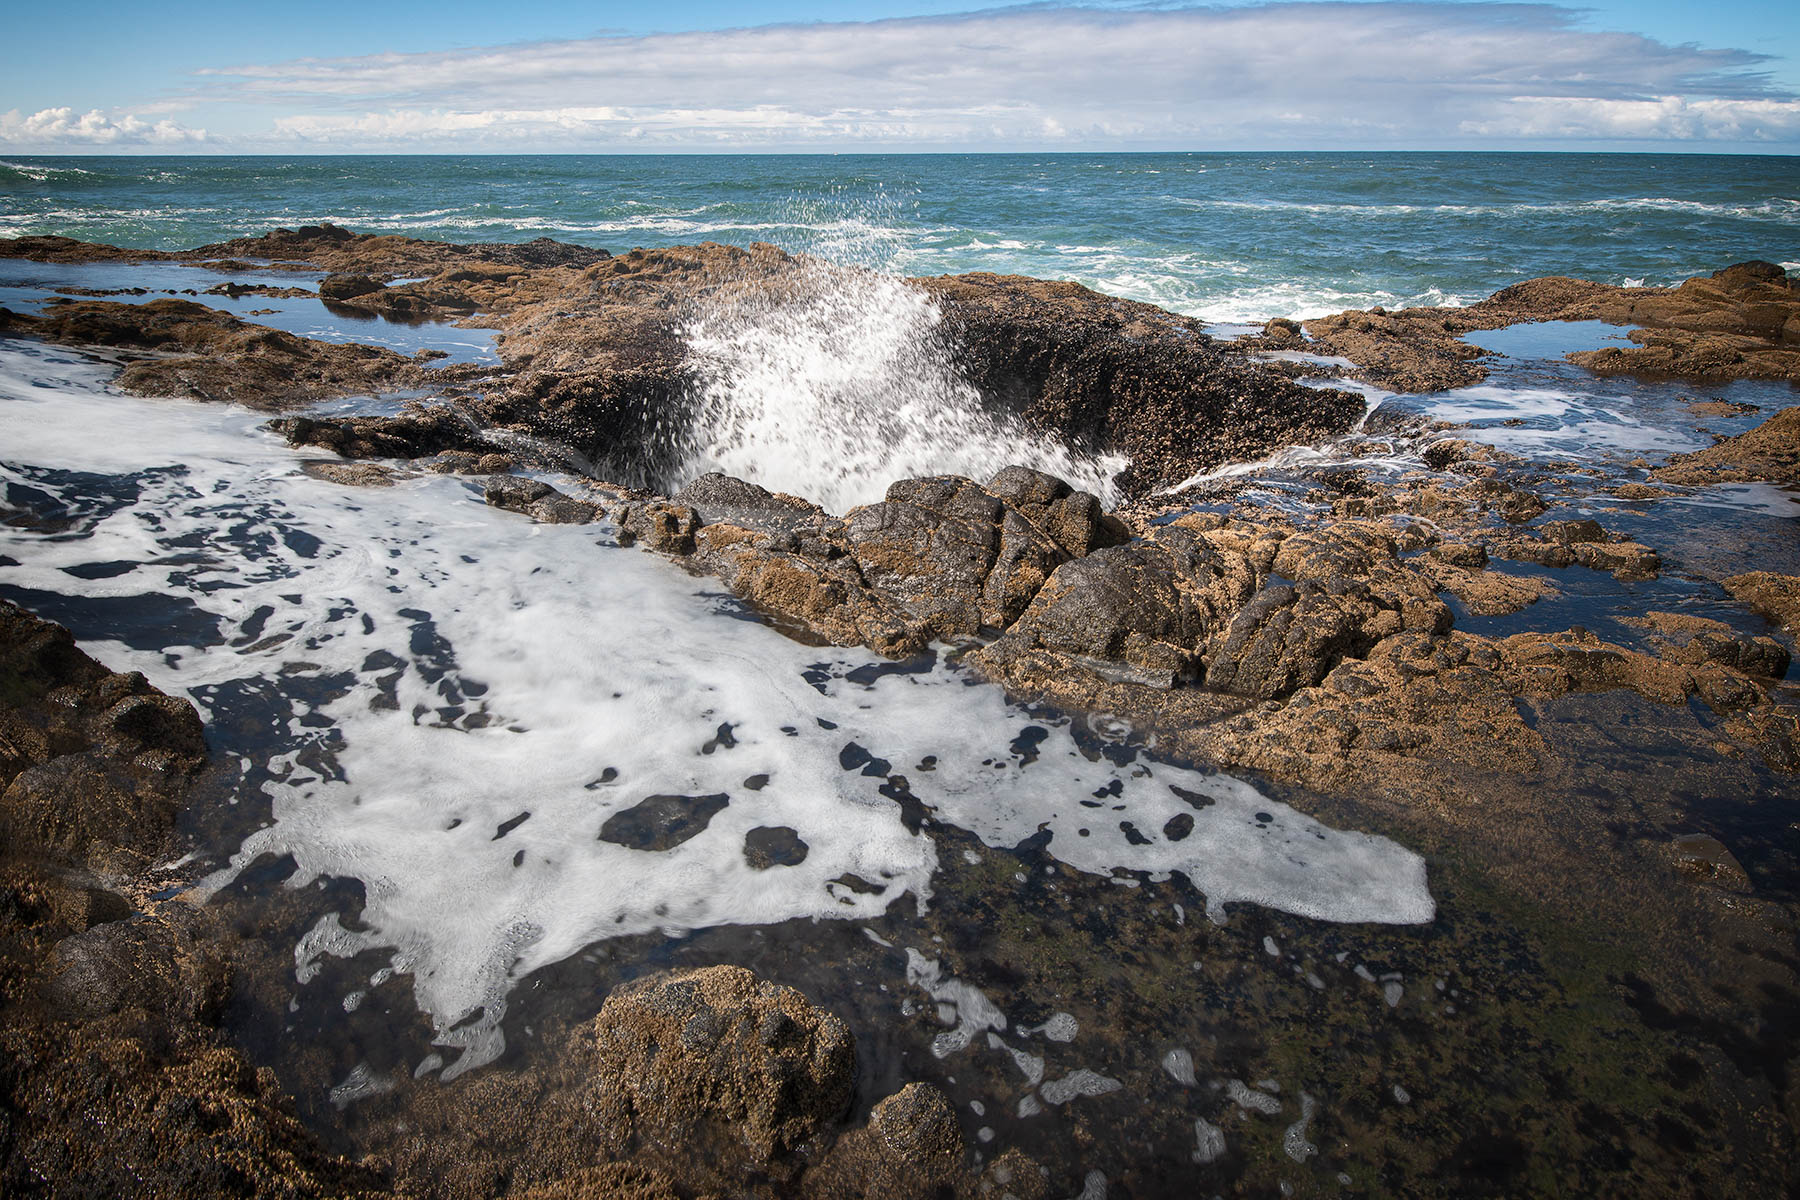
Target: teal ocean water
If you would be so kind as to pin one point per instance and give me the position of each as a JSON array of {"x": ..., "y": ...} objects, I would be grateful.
[{"x": 1226, "y": 237}]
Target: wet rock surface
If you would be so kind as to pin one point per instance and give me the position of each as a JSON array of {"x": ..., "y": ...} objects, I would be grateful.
[
  {"x": 1742, "y": 322},
  {"x": 1114, "y": 374},
  {"x": 1770, "y": 452},
  {"x": 180, "y": 348}
]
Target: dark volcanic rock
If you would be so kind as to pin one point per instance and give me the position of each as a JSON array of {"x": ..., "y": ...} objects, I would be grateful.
[
  {"x": 539, "y": 501},
  {"x": 929, "y": 547},
  {"x": 1110, "y": 374},
  {"x": 419, "y": 432},
  {"x": 337, "y": 249},
  {"x": 86, "y": 755},
  {"x": 114, "y": 1080}
]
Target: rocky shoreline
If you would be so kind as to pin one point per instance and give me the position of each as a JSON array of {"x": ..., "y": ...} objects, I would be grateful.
[{"x": 1322, "y": 648}]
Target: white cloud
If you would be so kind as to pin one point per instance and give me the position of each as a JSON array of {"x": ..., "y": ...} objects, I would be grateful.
[
  {"x": 1665, "y": 118},
  {"x": 62, "y": 128},
  {"x": 1389, "y": 72}
]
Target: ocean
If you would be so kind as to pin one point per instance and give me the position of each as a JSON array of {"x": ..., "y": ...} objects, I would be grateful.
[
  {"x": 433, "y": 720},
  {"x": 1224, "y": 237}
]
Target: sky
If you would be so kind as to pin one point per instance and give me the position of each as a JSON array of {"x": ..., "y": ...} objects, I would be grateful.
[{"x": 182, "y": 77}]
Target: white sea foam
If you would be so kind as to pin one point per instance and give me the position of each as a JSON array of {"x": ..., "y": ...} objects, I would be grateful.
[
  {"x": 834, "y": 383},
  {"x": 453, "y": 668},
  {"x": 1549, "y": 419},
  {"x": 40, "y": 172}
]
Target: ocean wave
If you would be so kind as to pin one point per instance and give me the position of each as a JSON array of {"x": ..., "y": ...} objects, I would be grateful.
[
  {"x": 38, "y": 173},
  {"x": 1777, "y": 208},
  {"x": 1302, "y": 302}
]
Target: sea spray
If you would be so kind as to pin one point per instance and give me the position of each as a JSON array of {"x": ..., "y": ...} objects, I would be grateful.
[{"x": 832, "y": 382}]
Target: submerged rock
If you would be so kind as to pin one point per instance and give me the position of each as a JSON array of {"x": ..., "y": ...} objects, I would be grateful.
[
  {"x": 1706, "y": 858},
  {"x": 911, "y": 1149}
]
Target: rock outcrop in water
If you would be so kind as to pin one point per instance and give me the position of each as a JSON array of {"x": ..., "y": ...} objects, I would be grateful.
[
  {"x": 180, "y": 348},
  {"x": 717, "y": 1058},
  {"x": 596, "y": 356},
  {"x": 1742, "y": 322},
  {"x": 1769, "y": 452},
  {"x": 116, "y": 1077}
]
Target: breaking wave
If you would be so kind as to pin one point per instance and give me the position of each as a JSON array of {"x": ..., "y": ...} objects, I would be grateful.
[{"x": 832, "y": 382}]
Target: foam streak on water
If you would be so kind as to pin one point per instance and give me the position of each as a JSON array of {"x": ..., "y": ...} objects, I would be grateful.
[
  {"x": 837, "y": 382},
  {"x": 523, "y": 739}
]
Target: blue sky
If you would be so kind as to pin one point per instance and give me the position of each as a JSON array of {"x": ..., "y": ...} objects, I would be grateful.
[{"x": 182, "y": 77}]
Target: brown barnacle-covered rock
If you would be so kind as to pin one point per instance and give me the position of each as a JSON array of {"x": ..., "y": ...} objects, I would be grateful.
[
  {"x": 1742, "y": 322},
  {"x": 911, "y": 1149},
  {"x": 1581, "y": 542},
  {"x": 717, "y": 1061},
  {"x": 1417, "y": 703},
  {"x": 1711, "y": 667},
  {"x": 1777, "y": 597},
  {"x": 170, "y": 966},
  {"x": 113, "y": 1076},
  {"x": 609, "y": 1181},
  {"x": 1346, "y": 591},
  {"x": 658, "y": 525},
  {"x": 87, "y": 755},
  {"x": 185, "y": 349},
  {"x": 1769, "y": 452},
  {"x": 346, "y": 286},
  {"x": 1486, "y": 593}
]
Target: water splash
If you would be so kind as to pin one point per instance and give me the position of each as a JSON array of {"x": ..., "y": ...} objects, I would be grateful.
[{"x": 833, "y": 382}]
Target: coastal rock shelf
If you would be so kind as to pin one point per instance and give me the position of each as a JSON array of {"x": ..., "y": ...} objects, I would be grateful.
[
  {"x": 595, "y": 356},
  {"x": 1742, "y": 322},
  {"x": 761, "y": 732}
]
